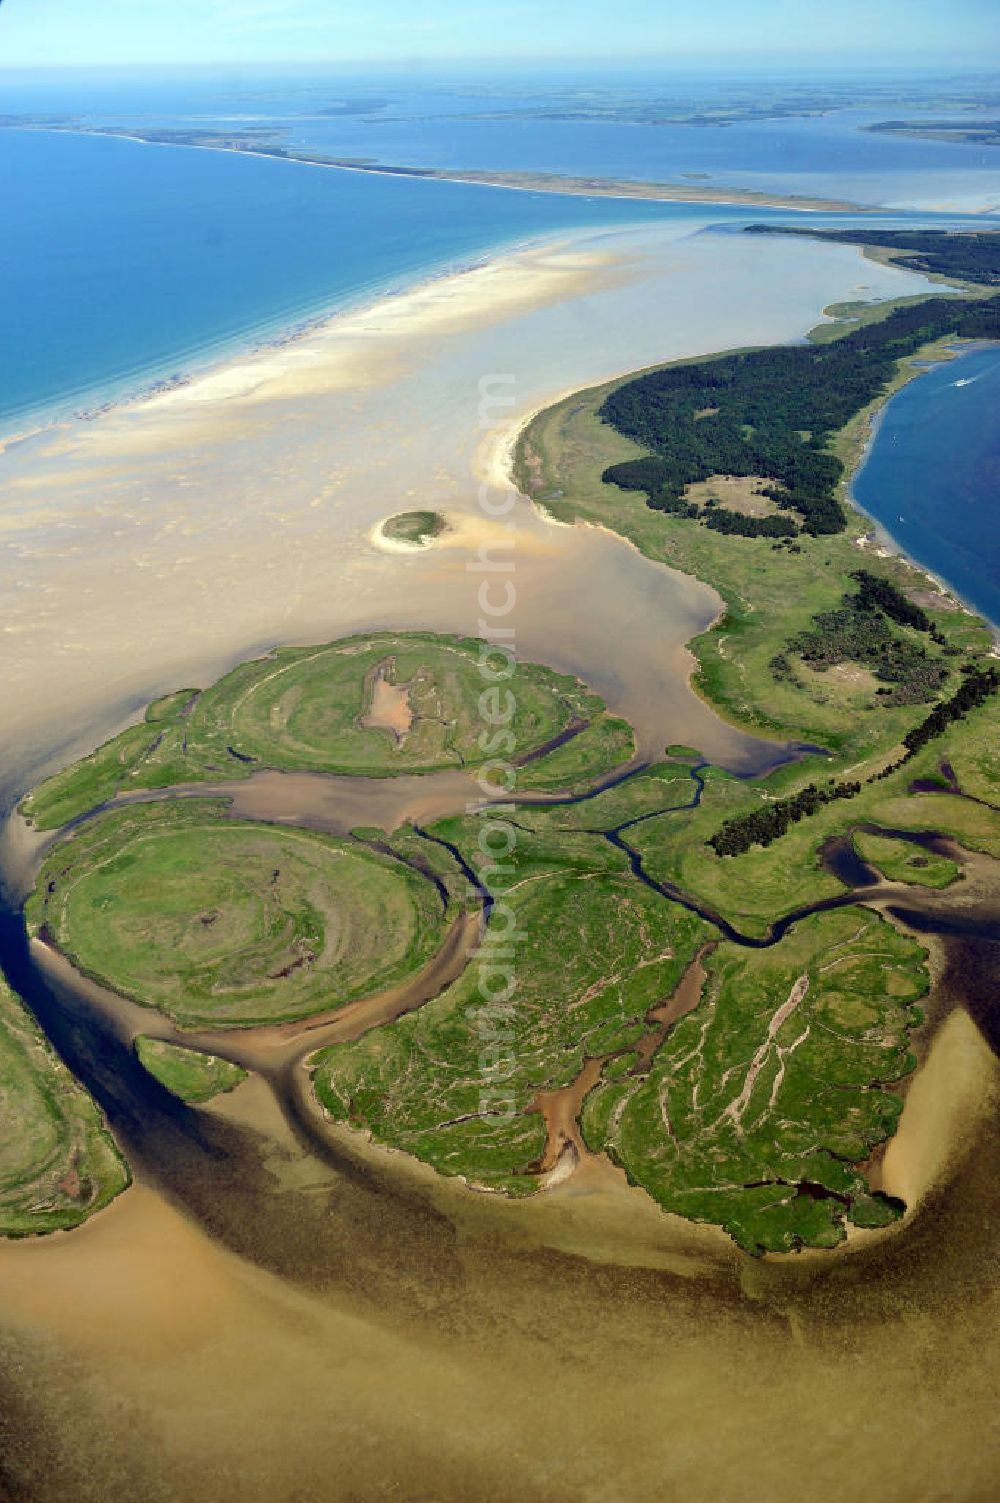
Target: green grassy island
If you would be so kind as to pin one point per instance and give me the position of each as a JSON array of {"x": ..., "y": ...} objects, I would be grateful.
[
  {"x": 375, "y": 705},
  {"x": 58, "y": 1162},
  {"x": 224, "y": 923},
  {"x": 186, "y": 1073},
  {"x": 416, "y": 527},
  {"x": 705, "y": 989}
]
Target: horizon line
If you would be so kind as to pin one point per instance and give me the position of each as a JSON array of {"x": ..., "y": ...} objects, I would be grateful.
[{"x": 893, "y": 64}]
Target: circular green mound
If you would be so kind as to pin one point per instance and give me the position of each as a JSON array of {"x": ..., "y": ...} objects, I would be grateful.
[
  {"x": 369, "y": 706},
  {"x": 381, "y": 704},
  {"x": 224, "y": 923},
  {"x": 415, "y": 527}
]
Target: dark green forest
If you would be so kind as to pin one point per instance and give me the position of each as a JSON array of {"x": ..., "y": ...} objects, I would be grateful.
[
  {"x": 968, "y": 257},
  {"x": 771, "y": 413}
]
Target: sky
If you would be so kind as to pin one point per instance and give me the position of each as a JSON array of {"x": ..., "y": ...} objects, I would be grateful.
[{"x": 107, "y": 33}]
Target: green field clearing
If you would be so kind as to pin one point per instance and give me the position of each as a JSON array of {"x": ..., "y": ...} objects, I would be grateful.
[
  {"x": 58, "y": 1161},
  {"x": 900, "y": 862}
]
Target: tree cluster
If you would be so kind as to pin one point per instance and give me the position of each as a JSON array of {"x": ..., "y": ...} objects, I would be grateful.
[
  {"x": 737, "y": 524},
  {"x": 858, "y": 631},
  {"x": 970, "y": 257},
  {"x": 879, "y": 593},
  {"x": 771, "y": 412},
  {"x": 976, "y": 688},
  {"x": 764, "y": 825}
]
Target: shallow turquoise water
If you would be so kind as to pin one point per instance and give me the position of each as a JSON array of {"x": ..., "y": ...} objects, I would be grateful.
[{"x": 121, "y": 261}]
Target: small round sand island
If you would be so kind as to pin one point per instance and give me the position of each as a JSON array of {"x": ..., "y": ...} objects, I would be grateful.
[{"x": 410, "y": 529}]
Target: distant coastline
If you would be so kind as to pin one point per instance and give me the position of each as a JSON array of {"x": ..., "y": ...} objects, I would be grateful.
[
  {"x": 525, "y": 182},
  {"x": 968, "y": 132}
]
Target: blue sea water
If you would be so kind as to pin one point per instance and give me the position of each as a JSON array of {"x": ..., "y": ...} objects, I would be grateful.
[
  {"x": 932, "y": 476},
  {"x": 122, "y": 262}
]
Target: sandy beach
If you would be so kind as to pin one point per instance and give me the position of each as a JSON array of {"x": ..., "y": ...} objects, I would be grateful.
[{"x": 165, "y": 539}]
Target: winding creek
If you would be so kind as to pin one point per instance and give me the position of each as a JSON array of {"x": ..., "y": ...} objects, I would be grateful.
[{"x": 94, "y": 1028}]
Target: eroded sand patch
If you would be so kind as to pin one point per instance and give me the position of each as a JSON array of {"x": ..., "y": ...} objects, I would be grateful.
[
  {"x": 389, "y": 706},
  {"x": 742, "y": 493}
]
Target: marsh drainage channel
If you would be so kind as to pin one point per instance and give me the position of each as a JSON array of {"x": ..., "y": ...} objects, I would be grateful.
[{"x": 199, "y": 1160}]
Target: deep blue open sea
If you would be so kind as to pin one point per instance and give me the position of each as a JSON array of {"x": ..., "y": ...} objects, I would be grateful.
[{"x": 932, "y": 477}]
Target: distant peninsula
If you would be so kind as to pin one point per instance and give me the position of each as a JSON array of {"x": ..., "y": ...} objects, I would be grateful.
[
  {"x": 964, "y": 132},
  {"x": 257, "y": 141}
]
